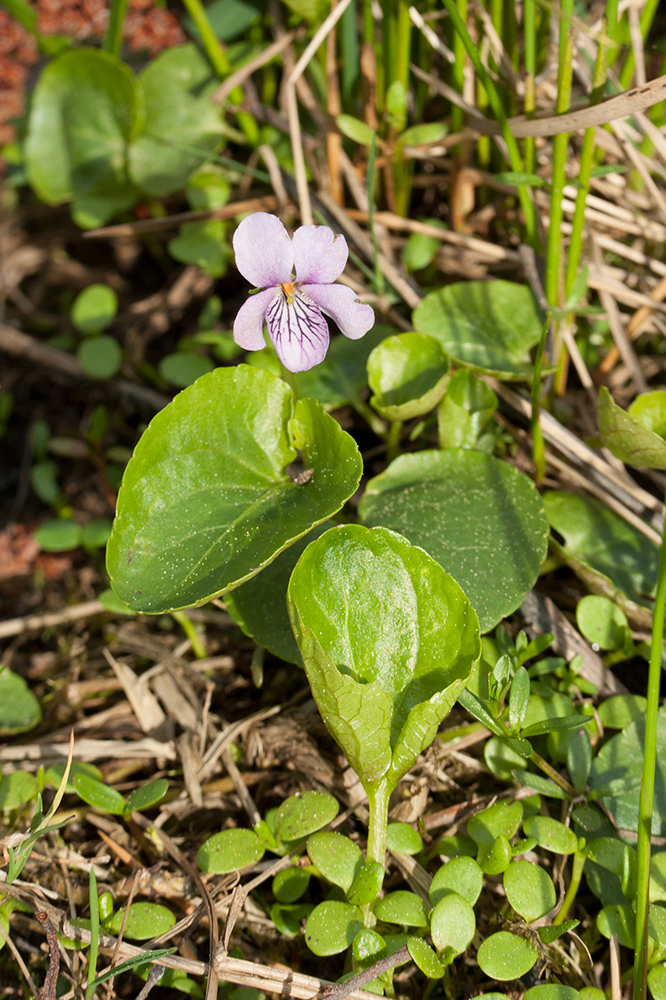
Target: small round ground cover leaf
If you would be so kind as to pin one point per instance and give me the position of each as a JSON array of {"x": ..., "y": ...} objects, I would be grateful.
[
  {"x": 230, "y": 851},
  {"x": 17, "y": 788},
  {"x": 500, "y": 819},
  {"x": 599, "y": 543},
  {"x": 303, "y": 813},
  {"x": 496, "y": 858},
  {"x": 56, "y": 773},
  {"x": 601, "y": 621},
  {"x": 288, "y": 918},
  {"x": 332, "y": 926},
  {"x": 19, "y": 708},
  {"x": 530, "y": 889},
  {"x": 501, "y": 759},
  {"x": 658, "y": 877},
  {"x": 59, "y": 535},
  {"x": 425, "y": 958},
  {"x": 182, "y": 125},
  {"x": 290, "y": 884},
  {"x": 260, "y": 605},
  {"x": 367, "y": 885},
  {"x": 207, "y": 500},
  {"x": 95, "y": 534},
  {"x": 99, "y": 795},
  {"x": 461, "y": 875},
  {"x": 620, "y": 920},
  {"x": 184, "y": 367},
  {"x": 452, "y": 924},
  {"x": 401, "y": 838},
  {"x": 94, "y": 308},
  {"x": 388, "y": 640},
  {"x": 336, "y": 857},
  {"x": 100, "y": 357},
  {"x": 657, "y": 981},
  {"x": 635, "y": 436},
  {"x": 551, "y": 834},
  {"x": 618, "y": 767},
  {"x": 481, "y": 519},
  {"x": 341, "y": 376},
  {"x": 552, "y": 991},
  {"x": 86, "y": 108},
  {"x": 145, "y": 921},
  {"x": 489, "y": 326},
  {"x": 620, "y": 710},
  {"x": 147, "y": 795},
  {"x": 505, "y": 956},
  {"x": 402, "y": 907},
  {"x": 407, "y": 374}
]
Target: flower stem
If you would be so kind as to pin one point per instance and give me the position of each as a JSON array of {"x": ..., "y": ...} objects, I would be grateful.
[
  {"x": 288, "y": 377},
  {"x": 114, "y": 33},
  {"x": 572, "y": 891},
  {"x": 643, "y": 846},
  {"x": 393, "y": 440}
]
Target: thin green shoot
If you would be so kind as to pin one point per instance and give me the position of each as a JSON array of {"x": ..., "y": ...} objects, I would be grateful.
[
  {"x": 370, "y": 182},
  {"x": 94, "y": 934},
  {"x": 538, "y": 447},
  {"x": 113, "y": 38},
  {"x": 529, "y": 31},
  {"x": 190, "y": 631}
]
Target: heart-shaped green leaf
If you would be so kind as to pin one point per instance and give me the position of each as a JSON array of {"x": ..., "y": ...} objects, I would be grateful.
[
  {"x": 481, "y": 519},
  {"x": 408, "y": 374},
  {"x": 206, "y": 499},
  {"x": 488, "y": 326},
  {"x": 636, "y": 436}
]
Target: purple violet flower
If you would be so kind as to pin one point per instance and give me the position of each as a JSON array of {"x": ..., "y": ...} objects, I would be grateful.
[{"x": 293, "y": 306}]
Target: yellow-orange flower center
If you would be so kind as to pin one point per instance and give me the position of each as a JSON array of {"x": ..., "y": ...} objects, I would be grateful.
[{"x": 288, "y": 289}]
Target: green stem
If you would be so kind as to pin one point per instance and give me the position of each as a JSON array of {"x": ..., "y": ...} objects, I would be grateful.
[
  {"x": 190, "y": 631},
  {"x": 393, "y": 440},
  {"x": 538, "y": 448},
  {"x": 113, "y": 39},
  {"x": 458, "y": 69},
  {"x": 404, "y": 43},
  {"x": 378, "y": 803},
  {"x": 288, "y": 377},
  {"x": 529, "y": 31},
  {"x": 572, "y": 891},
  {"x": 554, "y": 775},
  {"x": 643, "y": 846},
  {"x": 560, "y": 149},
  {"x": 94, "y": 934}
]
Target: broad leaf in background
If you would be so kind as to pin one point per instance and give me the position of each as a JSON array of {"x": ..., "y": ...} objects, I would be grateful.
[
  {"x": 207, "y": 501},
  {"x": 481, "y": 519},
  {"x": 609, "y": 555},
  {"x": 19, "y": 709},
  {"x": 182, "y": 127},
  {"x": 408, "y": 374},
  {"x": 636, "y": 435},
  {"x": 464, "y": 411},
  {"x": 489, "y": 326},
  {"x": 86, "y": 109},
  {"x": 388, "y": 641}
]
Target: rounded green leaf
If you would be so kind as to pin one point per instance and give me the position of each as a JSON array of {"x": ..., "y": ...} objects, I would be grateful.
[
  {"x": 621, "y": 710},
  {"x": 505, "y": 956},
  {"x": 100, "y": 357},
  {"x": 17, "y": 788},
  {"x": 634, "y": 437},
  {"x": 388, "y": 641},
  {"x": 229, "y": 851},
  {"x": 56, "y": 773},
  {"x": 303, "y": 813},
  {"x": 551, "y": 834},
  {"x": 620, "y": 920},
  {"x": 147, "y": 795},
  {"x": 462, "y": 875},
  {"x": 465, "y": 410},
  {"x": 452, "y": 925},
  {"x": 184, "y": 368},
  {"x": 336, "y": 857},
  {"x": 94, "y": 308},
  {"x": 86, "y": 108},
  {"x": 368, "y": 946},
  {"x": 503, "y": 818},
  {"x": 481, "y": 519},
  {"x": 19, "y": 708},
  {"x": 367, "y": 884},
  {"x": 59, "y": 535},
  {"x": 203, "y": 244},
  {"x": 592, "y": 993},
  {"x": 408, "y": 374},
  {"x": 290, "y": 884},
  {"x": 145, "y": 921},
  {"x": 207, "y": 501},
  {"x": 552, "y": 991},
  {"x": 401, "y": 838},
  {"x": 288, "y": 917},
  {"x": 425, "y": 958},
  {"x": 501, "y": 759},
  {"x": 95, "y": 533},
  {"x": 601, "y": 621},
  {"x": 421, "y": 135},
  {"x": 530, "y": 889},
  {"x": 99, "y": 795},
  {"x": 332, "y": 926},
  {"x": 354, "y": 129},
  {"x": 658, "y": 877},
  {"x": 402, "y": 907},
  {"x": 495, "y": 858},
  {"x": 488, "y": 326},
  {"x": 656, "y": 983}
]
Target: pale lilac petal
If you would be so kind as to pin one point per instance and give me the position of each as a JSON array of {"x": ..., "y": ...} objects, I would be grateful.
[
  {"x": 320, "y": 255},
  {"x": 264, "y": 251},
  {"x": 249, "y": 322},
  {"x": 298, "y": 330},
  {"x": 340, "y": 303}
]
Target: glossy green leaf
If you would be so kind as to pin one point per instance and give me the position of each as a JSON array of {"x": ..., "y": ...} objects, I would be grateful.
[
  {"x": 336, "y": 857},
  {"x": 621, "y": 710},
  {"x": 530, "y": 889},
  {"x": 354, "y": 129},
  {"x": 230, "y": 851},
  {"x": 556, "y": 724},
  {"x": 619, "y": 920},
  {"x": 488, "y": 326},
  {"x": 551, "y": 834},
  {"x": 147, "y": 795},
  {"x": 19, "y": 708},
  {"x": 95, "y": 534},
  {"x": 656, "y": 982},
  {"x": 462, "y": 875},
  {"x": 452, "y": 925},
  {"x": 544, "y": 786},
  {"x": 501, "y": 759},
  {"x": 16, "y": 789},
  {"x": 94, "y": 308},
  {"x": 332, "y": 926},
  {"x": 601, "y": 622},
  {"x": 552, "y": 991},
  {"x": 658, "y": 877},
  {"x": 635, "y": 436},
  {"x": 481, "y": 519},
  {"x": 381, "y": 609},
  {"x": 288, "y": 917},
  {"x": 504, "y": 817},
  {"x": 99, "y": 795},
  {"x": 260, "y": 605},
  {"x": 184, "y": 367},
  {"x": 601, "y": 547},
  {"x": 465, "y": 410},
  {"x": 59, "y": 535},
  {"x": 290, "y": 884},
  {"x": 579, "y": 760},
  {"x": 505, "y": 956},
  {"x": 195, "y": 521},
  {"x": 367, "y": 947},
  {"x": 407, "y": 374},
  {"x": 495, "y": 858},
  {"x": 182, "y": 125},
  {"x": 56, "y": 773},
  {"x": 402, "y": 907},
  {"x": 425, "y": 957},
  {"x": 518, "y": 698},
  {"x": 401, "y": 838},
  {"x": 549, "y": 934},
  {"x": 100, "y": 357},
  {"x": 341, "y": 376},
  {"x": 145, "y": 921},
  {"x": 85, "y": 110},
  {"x": 303, "y": 813},
  {"x": 367, "y": 884}
]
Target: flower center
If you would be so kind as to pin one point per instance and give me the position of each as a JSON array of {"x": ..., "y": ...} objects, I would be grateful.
[{"x": 288, "y": 289}]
